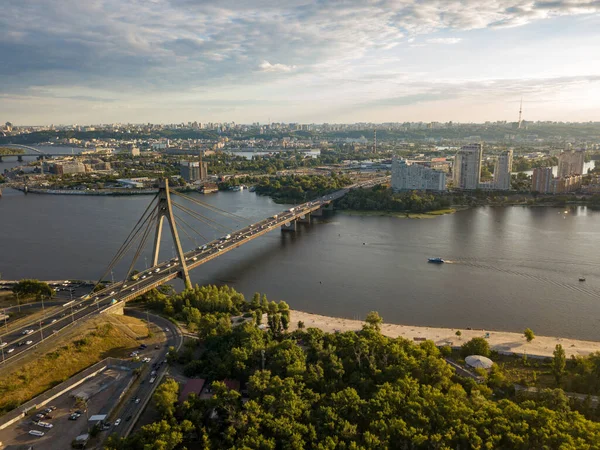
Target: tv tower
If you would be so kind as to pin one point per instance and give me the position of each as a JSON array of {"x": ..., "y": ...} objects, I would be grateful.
[
  {"x": 520, "y": 114},
  {"x": 374, "y": 141}
]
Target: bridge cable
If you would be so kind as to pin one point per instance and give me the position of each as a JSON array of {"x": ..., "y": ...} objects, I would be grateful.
[
  {"x": 182, "y": 228},
  {"x": 179, "y": 218},
  {"x": 141, "y": 246},
  {"x": 237, "y": 218},
  {"x": 130, "y": 239},
  {"x": 211, "y": 223},
  {"x": 150, "y": 219}
]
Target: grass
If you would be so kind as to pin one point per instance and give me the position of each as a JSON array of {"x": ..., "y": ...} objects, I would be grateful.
[
  {"x": 114, "y": 338},
  {"x": 399, "y": 214}
]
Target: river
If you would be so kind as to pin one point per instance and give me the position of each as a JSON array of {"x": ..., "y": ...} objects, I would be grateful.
[{"x": 509, "y": 267}]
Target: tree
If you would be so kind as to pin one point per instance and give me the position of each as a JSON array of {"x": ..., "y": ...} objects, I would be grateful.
[
  {"x": 374, "y": 320},
  {"x": 165, "y": 397},
  {"x": 529, "y": 334},
  {"x": 33, "y": 288},
  {"x": 300, "y": 325},
  {"x": 476, "y": 346},
  {"x": 458, "y": 334},
  {"x": 559, "y": 362}
]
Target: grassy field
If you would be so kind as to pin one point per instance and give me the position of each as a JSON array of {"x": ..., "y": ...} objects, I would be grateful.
[
  {"x": 110, "y": 336},
  {"x": 400, "y": 215}
]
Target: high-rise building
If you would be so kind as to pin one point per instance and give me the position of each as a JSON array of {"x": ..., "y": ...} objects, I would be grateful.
[
  {"x": 407, "y": 176},
  {"x": 541, "y": 180},
  {"x": 189, "y": 170},
  {"x": 570, "y": 183},
  {"x": 571, "y": 163},
  {"x": 503, "y": 170},
  {"x": 467, "y": 167}
]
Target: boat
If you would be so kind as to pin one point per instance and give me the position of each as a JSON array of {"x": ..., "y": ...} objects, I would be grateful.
[
  {"x": 581, "y": 278},
  {"x": 436, "y": 260}
]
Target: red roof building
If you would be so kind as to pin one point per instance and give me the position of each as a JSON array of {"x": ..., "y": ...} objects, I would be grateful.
[{"x": 192, "y": 386}]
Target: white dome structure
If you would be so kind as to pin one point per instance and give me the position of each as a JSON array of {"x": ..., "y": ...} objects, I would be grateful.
[{"x": 479, "y": 362}]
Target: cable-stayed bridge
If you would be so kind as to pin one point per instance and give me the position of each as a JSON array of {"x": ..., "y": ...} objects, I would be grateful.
[{"x": 17, "y": 342}]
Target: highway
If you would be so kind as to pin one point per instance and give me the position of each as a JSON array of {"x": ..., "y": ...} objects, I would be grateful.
[
  {"x": 130, "y": 410},
  {"x": 19, "y": 341}
]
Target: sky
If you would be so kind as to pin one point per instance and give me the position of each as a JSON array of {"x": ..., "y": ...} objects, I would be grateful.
[{"x": 335, "y": 61}]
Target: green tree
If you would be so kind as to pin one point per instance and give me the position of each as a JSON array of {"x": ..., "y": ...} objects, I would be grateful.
[
  {"x": 559, "y": 363},
  {"x": 374, "y": 320},
  {"x": 529, "y": 334},
  {"x": 165, "y": 397},
  {"x": 33, "y": 288},
  {"x": 476, "y": 346},
  {"x": 300, "y": 325},
  {"x": 458, "y": 334}
]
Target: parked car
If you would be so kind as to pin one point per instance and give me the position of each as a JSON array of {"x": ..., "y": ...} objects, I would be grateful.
[{"x": 117, "y": 422}]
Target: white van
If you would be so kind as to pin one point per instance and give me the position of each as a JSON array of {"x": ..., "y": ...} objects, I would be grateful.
[{"x": 36, "y": 433}]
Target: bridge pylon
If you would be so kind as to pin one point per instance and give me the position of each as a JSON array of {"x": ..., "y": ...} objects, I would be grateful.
[{"x": 164, "y": 210}]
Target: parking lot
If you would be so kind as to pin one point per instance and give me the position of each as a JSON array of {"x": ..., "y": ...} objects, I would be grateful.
[{"x": 103, "y": 392}]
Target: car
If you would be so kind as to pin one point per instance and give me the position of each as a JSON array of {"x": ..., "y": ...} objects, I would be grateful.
[
  {"x": 124, "y": 286},
  {"x": 157, "y": 270},
  {"x": 112, "y": 293},
  {"x": 53, "y": 321},
  {"x": 167, "y": 329},
  {"x": 143, "y": 346},
  {"x": 132, "y": 289},
  {"x": 144, "y": 277},
  {"x": 47, "y": 411},
  {"x": 156, "y": 347},
  {"x": 10, "y": 350},
  {"x": 52, "y": 408},
  {"x": 137, "y": 400},
  {"x": 36, "y": 433},
  {"x": 153, "y": 373},
  {"x": 117, "y": 422},
  {"x": 3, "y": 344},
  {"x": 74, "y": 416},
  {"x": 21, "y": 343},
  {"x": 128, "y": 418},
  {"x": 44, "y": 424},
  {"x": 106, "y": 425},
  {"x": 40, "y": 415},
  {"x": 28, "y": 342}
]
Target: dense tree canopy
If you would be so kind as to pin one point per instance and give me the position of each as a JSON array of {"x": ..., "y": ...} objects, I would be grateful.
[
  {"x": 33, "y": 288},
  {"x": 352, "y": 390}
]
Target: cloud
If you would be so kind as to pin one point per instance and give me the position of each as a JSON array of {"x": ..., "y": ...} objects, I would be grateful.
[
  {"x": 121, "y": 49},
  {"x": 266, "y": 66},
  {"x": 444, "y": 41}
]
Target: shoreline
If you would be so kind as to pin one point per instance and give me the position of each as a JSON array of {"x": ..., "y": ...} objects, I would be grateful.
[{"x": 504, "y": 342}]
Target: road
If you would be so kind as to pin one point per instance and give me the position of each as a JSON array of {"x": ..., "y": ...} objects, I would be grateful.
[
  {"x": 130, "y": 409},
  {"x": 19, "y": 341}
]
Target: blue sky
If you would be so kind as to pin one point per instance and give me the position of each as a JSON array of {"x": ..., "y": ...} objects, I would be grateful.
[{"x": 102, "y": 61}]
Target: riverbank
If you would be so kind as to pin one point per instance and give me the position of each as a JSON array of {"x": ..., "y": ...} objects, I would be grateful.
[
  {"x": 399, "y": 214},
  {"x": 501, "y": 341}
]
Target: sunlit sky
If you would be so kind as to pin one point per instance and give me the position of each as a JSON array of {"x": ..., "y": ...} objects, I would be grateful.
[{"x": 165, "y": 61}]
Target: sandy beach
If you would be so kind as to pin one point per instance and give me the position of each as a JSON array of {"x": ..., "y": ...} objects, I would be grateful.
[{"x": 501, "y": 341}]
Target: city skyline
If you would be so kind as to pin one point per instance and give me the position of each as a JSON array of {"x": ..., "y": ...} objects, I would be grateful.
[{"x": 253, "y": 61}]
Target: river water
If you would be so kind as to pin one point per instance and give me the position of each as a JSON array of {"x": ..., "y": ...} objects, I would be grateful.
[{"x": 509, "y": 267}]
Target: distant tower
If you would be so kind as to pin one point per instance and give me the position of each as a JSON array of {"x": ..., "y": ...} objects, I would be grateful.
[
  {"x": 520, "y": 114},
  {"x": 374, "y": 141}
]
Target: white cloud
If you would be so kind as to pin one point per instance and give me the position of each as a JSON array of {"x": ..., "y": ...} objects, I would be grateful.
[
  {"x": 444, "y": 41},
  {"x": 266, "y": 66}
]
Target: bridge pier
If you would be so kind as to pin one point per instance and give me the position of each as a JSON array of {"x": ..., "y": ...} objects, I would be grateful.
[
  {"x": 289, "y": 226},
  {"x": 304, "y": 219},
  {"x": 0, "y": 158},
  {"x": 20, "y": 158}
]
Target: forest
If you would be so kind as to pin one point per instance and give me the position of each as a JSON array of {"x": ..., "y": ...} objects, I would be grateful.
[
  {"x": 308, "y": 389},
  {"x": 298, "y": 188}
]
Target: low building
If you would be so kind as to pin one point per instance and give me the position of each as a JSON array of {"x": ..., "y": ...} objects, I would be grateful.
[
  {"x": 567, "y": 184},
  {"x": 67, "y": 167},
  {"x": 193, "y": 386},
  {"x": 406, "y": 176}
]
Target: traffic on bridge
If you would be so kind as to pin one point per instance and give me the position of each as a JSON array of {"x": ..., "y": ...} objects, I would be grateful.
[{"x": 25, "y": 338}]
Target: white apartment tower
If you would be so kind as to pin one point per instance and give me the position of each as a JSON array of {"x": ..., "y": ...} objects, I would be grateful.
[
  {"x": 503, "y": 170},
  {"x": 467, "y": 167},
  {"x": 406, "y": 177}
]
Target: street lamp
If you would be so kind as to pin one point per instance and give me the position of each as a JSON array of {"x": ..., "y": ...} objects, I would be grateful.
[{"x": 18, "y": 303}]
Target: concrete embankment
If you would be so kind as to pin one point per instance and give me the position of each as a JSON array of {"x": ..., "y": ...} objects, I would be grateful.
[
  {"x": 113, "y": 192},
  {"x": 502, "y": 341}
]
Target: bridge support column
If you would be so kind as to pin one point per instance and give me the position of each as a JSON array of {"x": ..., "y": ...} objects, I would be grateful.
[
  {"x": 304, "y": 219},
  {"x": 20, "y": 158},
  {"x": 328, "y": 207},
  {"x": 165, "y": 210},
  {"x": 0, "y": 158},
  {"x": 289, "y": 226}
]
